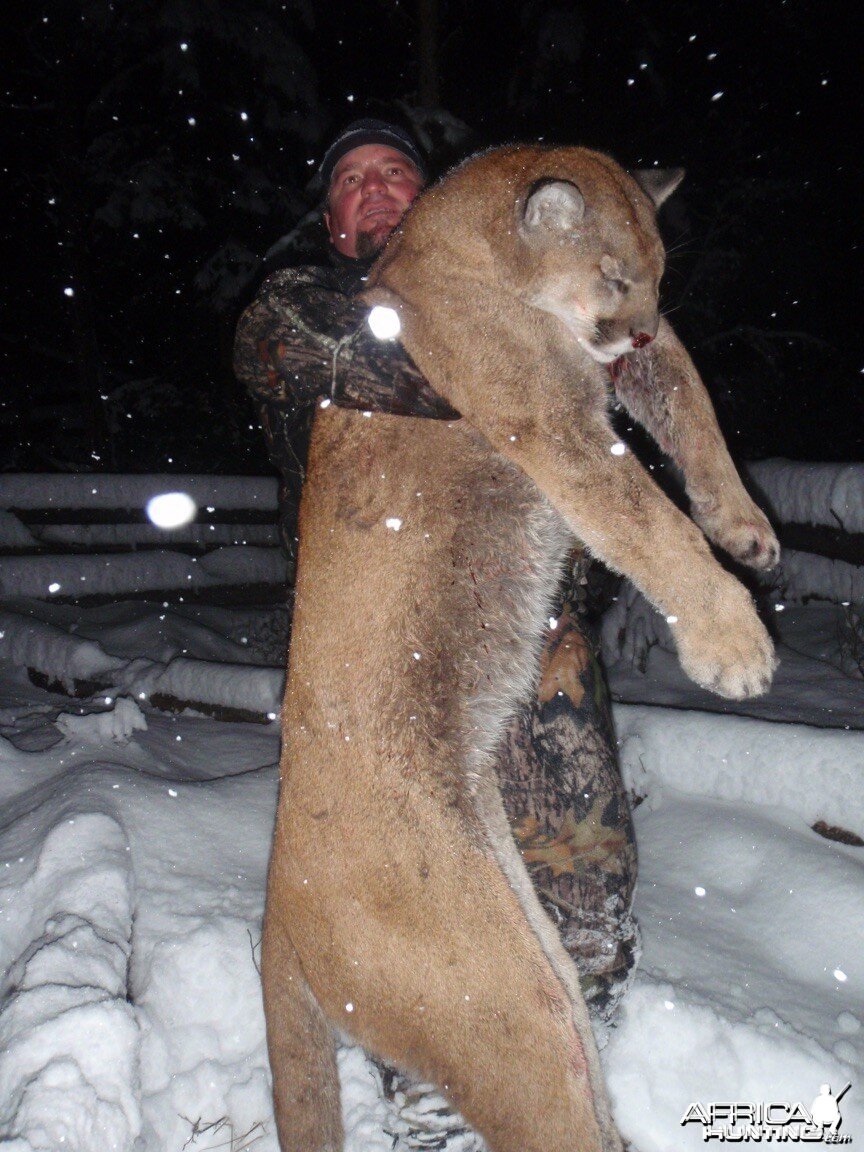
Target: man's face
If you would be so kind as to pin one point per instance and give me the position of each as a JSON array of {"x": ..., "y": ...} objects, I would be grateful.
[{"x": 370, "y": 189}]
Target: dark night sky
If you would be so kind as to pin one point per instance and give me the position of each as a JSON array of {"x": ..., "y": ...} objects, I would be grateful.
[
  {"x": 135, "y": 169},
  {"x": 644, "y": 85}
]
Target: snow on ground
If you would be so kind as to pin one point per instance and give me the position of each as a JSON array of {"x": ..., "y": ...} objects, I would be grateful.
[
  {"x": 133, "y": 850},
  {"x": 750, "y": 984},
  {"x": 132, "y": 866},
  {"x": 51, "y": 640}
]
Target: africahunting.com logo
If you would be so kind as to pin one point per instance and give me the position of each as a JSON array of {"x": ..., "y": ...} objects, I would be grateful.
[{"x": 775, "y": 1122}]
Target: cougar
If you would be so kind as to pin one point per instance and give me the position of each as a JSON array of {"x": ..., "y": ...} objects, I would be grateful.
[{"x": 398, "y": 909}]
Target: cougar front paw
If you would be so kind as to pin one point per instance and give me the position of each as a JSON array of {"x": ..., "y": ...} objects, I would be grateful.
[
  {"x": 746, "y": 536},
  {"x": 728, "y": 650}
]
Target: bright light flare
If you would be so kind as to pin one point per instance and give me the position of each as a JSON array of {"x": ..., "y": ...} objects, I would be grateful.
[
  {"x": 384, "y": 322},
  {"x": 171, "y": 510}
]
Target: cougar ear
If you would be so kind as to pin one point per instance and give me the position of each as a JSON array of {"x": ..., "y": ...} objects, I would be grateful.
[
  {"x": 658, "y": 183},
  {"x": 556, "y": 205}
]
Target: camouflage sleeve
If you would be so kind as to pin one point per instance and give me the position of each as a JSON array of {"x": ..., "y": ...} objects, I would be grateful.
[{"x": 302, "y": 341}]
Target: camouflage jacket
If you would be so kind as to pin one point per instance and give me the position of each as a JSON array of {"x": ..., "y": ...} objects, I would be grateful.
[{"x": 305, "y": 339}]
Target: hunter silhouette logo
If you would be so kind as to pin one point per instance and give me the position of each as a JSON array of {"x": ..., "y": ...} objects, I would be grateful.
[
  {"x": 775, "y": 1122},
  {"x": 825, "y": 1110}
]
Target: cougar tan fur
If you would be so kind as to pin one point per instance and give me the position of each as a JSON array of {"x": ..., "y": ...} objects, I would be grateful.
[{"x": 398, "y": 907}]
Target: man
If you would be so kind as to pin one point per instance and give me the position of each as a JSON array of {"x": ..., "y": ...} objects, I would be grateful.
[
  {"x": 371, "y": 188},
  {"x": 304, "y": 341}
]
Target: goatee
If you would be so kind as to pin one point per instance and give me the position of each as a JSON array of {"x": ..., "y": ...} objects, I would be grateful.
[{"x": 369, "y": 244}]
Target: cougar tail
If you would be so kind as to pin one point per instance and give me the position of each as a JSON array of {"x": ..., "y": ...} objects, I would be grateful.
[{"x": 302, "y": 1050}]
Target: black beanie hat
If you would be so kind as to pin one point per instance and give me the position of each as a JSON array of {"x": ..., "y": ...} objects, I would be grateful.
[{"x": 361, "y": 132}]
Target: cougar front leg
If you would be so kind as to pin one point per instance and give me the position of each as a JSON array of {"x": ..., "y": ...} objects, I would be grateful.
[
  {"x": 626, "y": 521},
  {"x": 300, "y": 1044},
  {"x": 660, "y": 387}
]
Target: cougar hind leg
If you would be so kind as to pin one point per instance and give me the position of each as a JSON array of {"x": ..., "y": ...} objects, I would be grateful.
[
  {"x": 302, "y": 1049},
  {"x": 432, "y": 965}
]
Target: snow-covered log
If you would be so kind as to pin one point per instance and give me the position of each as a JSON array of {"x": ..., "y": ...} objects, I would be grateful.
[
  {"x": 78, "y": 666},
  {"x": 76, "y": 576},
  {"x": 106, "y": 490},
  {"x": 29, "y": 643},
  {"x": 804, "y": 576},
  {"x": 80, "y": 536},
  {"x": 801, "y": 493}
]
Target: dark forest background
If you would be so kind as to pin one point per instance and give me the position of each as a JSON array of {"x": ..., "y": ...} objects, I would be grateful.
[{"x": 155, "y": 150}]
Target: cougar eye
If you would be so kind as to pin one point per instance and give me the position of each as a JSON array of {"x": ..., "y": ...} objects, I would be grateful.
[{"x": 619, "y": 286}]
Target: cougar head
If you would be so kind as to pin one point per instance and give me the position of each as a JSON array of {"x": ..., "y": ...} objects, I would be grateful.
[{"x": 594, "y": 257}]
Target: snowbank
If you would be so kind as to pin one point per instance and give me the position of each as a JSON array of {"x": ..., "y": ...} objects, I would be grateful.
[
  {"x": 751, "y": 984},
  {"x": 230, "y": 686},
  {"x": 69, "y": 1038},
  {"x": 813, "y": 773}
]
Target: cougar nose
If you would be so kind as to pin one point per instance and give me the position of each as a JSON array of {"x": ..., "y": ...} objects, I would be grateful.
[{"x": 641, "y": 339}]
